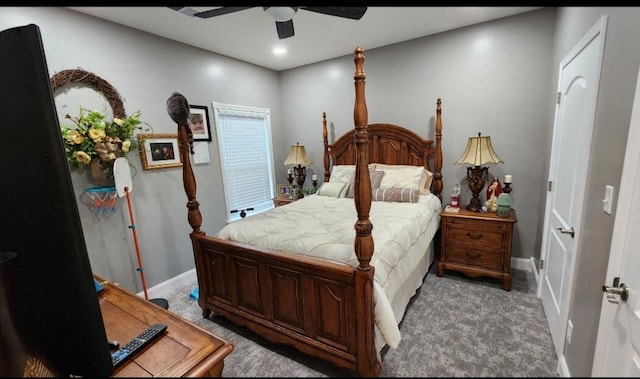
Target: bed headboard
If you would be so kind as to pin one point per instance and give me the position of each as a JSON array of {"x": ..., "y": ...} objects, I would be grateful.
[{"x": 389, "y": 144}]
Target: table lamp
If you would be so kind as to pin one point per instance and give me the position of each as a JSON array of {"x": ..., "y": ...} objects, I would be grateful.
[
  {"x": 299, "y": 159},
  {"x": 479, "y": 151}
]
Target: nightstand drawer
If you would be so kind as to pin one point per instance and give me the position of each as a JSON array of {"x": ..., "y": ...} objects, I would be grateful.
[
  {"x": 467, "y": 255},
  {"x": 478, "y": 234}
]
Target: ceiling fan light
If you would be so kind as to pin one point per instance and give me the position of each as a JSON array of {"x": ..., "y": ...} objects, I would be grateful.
[{"x": 280, "y": 13}]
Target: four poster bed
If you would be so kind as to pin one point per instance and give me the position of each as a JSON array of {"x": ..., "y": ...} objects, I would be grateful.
[{"x": 300, "y": 275}]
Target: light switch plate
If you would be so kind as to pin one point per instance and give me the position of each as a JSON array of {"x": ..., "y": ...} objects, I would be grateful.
[{"x": 608, "y": 199}]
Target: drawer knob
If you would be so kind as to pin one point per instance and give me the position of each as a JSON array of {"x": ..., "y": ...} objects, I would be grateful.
[
  {"x": 475, "y": 236},
  {"x": 473, "y": 255}
]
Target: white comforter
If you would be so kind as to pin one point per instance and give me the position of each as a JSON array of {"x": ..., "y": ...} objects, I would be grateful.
[{"x": 302, "y": 227}]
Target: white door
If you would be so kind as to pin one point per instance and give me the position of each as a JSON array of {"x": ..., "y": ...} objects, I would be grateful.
[
  {"x": 618, "y": 343},
  {"x": 575, "y": 113}
]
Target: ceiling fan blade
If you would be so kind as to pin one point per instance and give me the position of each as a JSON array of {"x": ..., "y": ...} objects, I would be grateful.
[
  {"x": 284, "y": 28},
  {"x": 219, "y": 11},
  {"x": 354, "y": 13}
]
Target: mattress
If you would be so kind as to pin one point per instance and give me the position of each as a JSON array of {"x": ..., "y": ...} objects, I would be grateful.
[{"x": 323, "y": 227}]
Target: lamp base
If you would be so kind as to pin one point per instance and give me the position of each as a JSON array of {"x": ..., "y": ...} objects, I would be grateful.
[
  {"x": 474, "y": 204},
  {"x": 476, "y": 177},
  {"x": 301, "y": 175}
]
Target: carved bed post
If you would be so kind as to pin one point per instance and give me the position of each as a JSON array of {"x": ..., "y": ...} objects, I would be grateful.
[
  {"x": 185, "y": 141},
  {"x": 362, "y": 189},
  {"x": 189, "y": 180},
  {"x": 437, "y": 161},
  {"x": 367, "y": 362},
  {"x": 325, "y": 140}
]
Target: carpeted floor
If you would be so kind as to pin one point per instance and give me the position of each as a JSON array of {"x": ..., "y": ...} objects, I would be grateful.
[{"x": 454, "y": 326}]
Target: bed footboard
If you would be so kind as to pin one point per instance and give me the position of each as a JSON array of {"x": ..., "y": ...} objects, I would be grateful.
[{"x": 307, "y": 303}]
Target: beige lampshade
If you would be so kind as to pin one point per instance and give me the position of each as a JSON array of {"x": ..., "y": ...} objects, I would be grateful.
[
  {"x": 479, "y": 151},
  {"x": 297, "y": 156}
]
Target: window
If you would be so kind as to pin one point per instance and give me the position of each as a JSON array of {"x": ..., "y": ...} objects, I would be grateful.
[{"x": 246, "y": 158}]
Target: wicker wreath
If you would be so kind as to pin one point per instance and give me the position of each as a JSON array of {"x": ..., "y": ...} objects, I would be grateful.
[
  {"x": 103, "y": 176},
  {"x": 65, "y": 77}
]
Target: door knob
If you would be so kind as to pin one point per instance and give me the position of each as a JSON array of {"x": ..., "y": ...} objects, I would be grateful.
[
  {"x": 622, "y": 291},
  {"x": 567, "y": 231}
]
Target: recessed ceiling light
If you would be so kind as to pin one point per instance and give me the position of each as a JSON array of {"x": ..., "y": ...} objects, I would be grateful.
[{"x": 279, "y": 50}]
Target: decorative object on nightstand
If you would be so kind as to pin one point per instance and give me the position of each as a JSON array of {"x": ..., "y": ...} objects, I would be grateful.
[
  {"x": 493, "y": 191},
  {"x": 284, "y": 191},
  {"x": 504, "y": 200},
  {"x": 314, "y": 178},
  {"x": 298, "y": 156},
  {"x": 454, "y": 200},
  {"x": 503, "y": 207},
  {"x": 508, "y": 179},
  {"x": 479, "y": 151},
  {"x": 290, "y": 176}
]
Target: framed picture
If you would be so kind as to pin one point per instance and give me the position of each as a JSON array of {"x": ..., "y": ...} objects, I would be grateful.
[
  {"x": 284, "y": 190},
  {"x": 199, "y": 122},
  {"x": 159, "y": 151}
]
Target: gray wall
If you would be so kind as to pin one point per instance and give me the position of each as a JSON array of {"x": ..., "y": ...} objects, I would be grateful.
[
  {"x": 498, "y": 78},
  {"x": 145, "y": 70},
  {"x": 493, "y": 78},
  {"x": 613, "y": 114}
]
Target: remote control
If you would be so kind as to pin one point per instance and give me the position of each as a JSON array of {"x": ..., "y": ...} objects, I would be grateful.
[{"x": 136, "y": 344}]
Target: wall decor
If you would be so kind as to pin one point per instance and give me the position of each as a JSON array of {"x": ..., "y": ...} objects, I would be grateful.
[
  {"x": 83, "y": 149},
  {"x": 201, "y": 153},
  {"x": 159, "y": 151},
  {"x": 199, "y": 122}
]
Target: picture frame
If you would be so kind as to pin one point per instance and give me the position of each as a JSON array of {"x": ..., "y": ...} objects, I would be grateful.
[
  {"x": 284, "y": 191},
  {"x": 199, "y": 122},
  {"x": 159, "y": 151}
]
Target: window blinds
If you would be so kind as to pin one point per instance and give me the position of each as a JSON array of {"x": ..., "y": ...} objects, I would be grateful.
[{"x": 244, "y": 145}]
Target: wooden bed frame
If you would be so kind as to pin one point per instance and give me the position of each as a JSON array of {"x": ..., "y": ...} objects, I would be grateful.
[{"x": 322, "y": 308}]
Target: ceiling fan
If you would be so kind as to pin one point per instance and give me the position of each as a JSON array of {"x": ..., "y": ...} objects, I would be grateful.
[{"x": 283, "y": 16}]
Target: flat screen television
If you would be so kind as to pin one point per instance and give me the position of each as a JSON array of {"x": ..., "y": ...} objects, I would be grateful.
[{"x": 49, "y": 307}]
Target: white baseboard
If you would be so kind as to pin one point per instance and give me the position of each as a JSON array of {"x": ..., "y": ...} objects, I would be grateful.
[
  {"x": 161, "y": 289},
  {"x": 563, "y": 369},
  {"x": 520, "y": 263},
  {"x": 534, "y": 269},
  {"x": 528, "y": 264}
]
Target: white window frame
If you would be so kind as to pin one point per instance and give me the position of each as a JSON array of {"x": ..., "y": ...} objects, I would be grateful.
[{"x": 220, "y": 111}]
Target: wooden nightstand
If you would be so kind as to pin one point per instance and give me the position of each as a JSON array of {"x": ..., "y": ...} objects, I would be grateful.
[
  {"x": 278, "y": 201},
  {"x": 477, "y": 244}
]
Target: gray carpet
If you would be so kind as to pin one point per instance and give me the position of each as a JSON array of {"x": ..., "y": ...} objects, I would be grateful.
[{"x": 453, "y": 326}]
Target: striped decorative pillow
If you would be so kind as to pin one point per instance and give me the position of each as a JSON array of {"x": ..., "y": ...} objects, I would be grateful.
[{"x": 403, "y": 195}]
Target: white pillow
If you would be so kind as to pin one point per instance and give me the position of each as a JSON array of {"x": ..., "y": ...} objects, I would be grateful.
[
  {"x": 333, "y": 189},
  {"x": 406, "y": 176},
  {"x": 401, "y": 177},
  {"x": 342, "y": 173},
  {"x": 345, "y": 172}
]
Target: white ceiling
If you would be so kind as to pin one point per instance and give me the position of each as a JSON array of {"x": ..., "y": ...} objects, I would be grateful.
[{"x": 250, "y": 35}]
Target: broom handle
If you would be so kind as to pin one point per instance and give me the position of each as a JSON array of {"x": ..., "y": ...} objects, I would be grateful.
[{"x": 135, "y": 241}]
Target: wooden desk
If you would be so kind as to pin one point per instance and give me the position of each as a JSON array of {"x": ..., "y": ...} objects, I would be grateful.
[{"x": 185, "y": 349}]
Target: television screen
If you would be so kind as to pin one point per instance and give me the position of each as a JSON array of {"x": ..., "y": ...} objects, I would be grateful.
[{"x": 49, "y": 307}]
